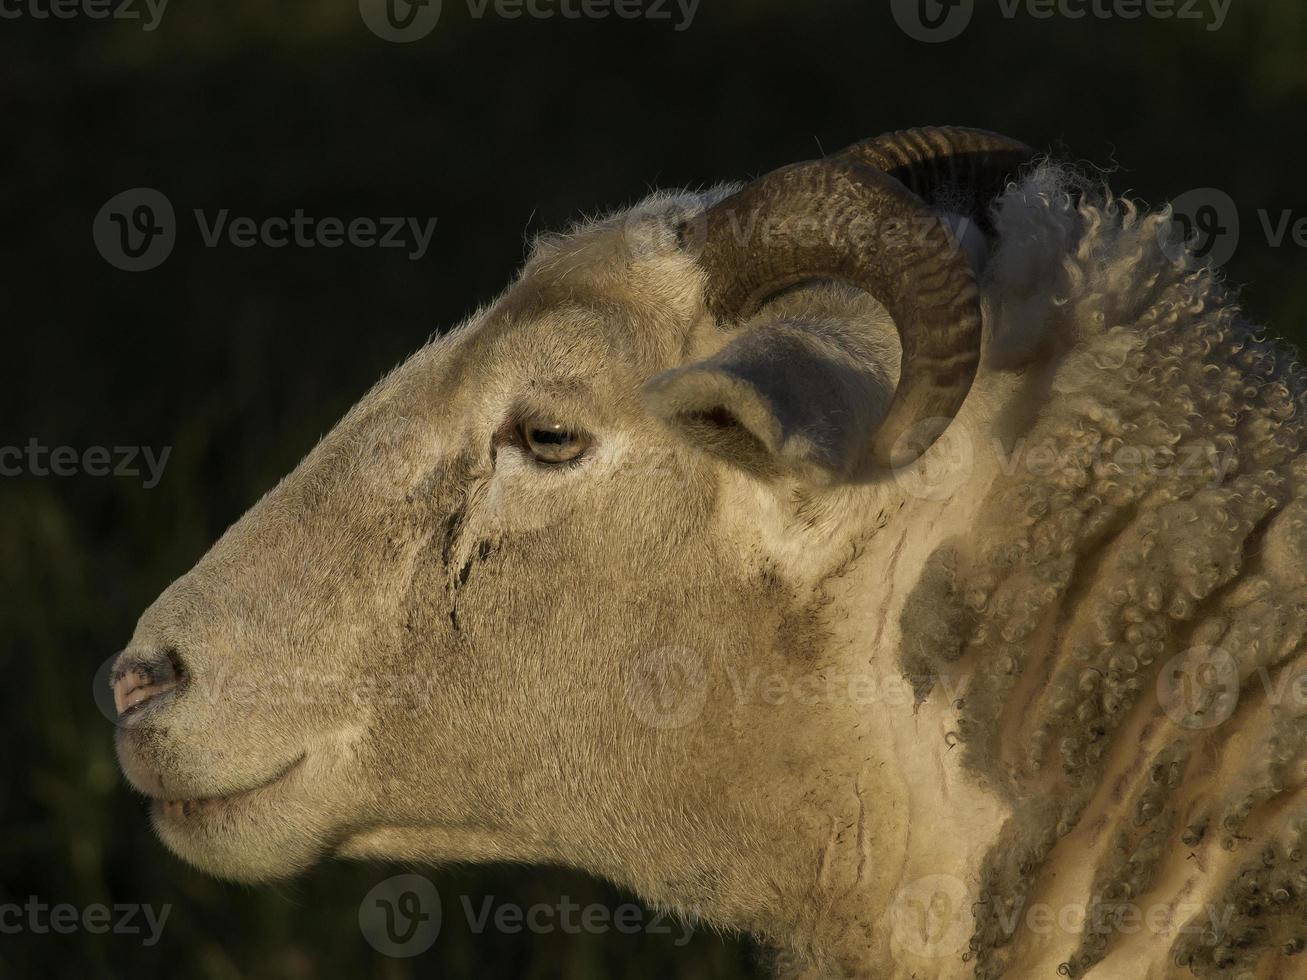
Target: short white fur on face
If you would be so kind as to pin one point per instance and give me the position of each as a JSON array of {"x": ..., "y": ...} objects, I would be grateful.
[{"x": 423, "y": 644}]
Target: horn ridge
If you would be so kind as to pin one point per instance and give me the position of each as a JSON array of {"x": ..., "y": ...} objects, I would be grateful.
[
  {"x": 870, "y": 217},
  {"x": 946, "y": 166}
]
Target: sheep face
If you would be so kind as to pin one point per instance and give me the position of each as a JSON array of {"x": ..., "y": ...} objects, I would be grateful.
[{"x": 443, "y": 637}]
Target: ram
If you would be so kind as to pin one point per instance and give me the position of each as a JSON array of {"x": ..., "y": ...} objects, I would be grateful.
[{"x": 901, "y": 559}]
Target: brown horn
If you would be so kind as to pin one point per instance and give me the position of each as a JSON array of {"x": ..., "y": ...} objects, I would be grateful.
[
  {"x": 846, "y": 218},
  {"x": 946, "y": 166}
]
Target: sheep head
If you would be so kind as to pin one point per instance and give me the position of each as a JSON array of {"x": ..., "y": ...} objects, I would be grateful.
[{"x": 590, "y": 579}]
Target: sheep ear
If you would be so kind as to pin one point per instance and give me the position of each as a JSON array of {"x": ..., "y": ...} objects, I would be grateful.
[{"x": 785, "y": 399}]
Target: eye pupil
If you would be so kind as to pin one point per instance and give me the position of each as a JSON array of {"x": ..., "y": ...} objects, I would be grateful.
[
  {"x": 555, "y": 437},
  {"x": 551, "y": 444}
]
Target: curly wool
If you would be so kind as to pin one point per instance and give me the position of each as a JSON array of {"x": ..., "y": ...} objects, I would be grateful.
[{"x": 1173, "y": 522}]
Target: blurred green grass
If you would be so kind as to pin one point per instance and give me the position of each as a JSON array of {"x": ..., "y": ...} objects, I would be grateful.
[{"x": 241, "y": 359}]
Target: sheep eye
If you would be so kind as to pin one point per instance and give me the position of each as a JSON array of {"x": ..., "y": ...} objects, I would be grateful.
[{"x": 551, "y": 443}]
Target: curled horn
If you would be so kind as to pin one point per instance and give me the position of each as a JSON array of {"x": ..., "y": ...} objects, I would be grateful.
[{"x": 867, "y": 217}]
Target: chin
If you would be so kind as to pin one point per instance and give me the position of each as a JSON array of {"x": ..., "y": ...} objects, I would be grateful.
[
  {"x": 228, "y": 842},
  {"x": 272, "y": 832}
]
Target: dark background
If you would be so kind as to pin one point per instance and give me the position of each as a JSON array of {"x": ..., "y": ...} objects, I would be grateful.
[{"x": 240, "y": 358}]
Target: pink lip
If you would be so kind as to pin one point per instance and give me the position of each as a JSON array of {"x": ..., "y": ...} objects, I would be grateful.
[{"x": 204, "y": 806}]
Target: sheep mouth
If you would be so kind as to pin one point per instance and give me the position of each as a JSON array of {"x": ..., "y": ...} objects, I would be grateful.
[{"x": 178, "y": 810}]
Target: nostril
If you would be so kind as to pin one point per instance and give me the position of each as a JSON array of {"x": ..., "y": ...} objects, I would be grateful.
[{"x": 141, "y": 679}]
